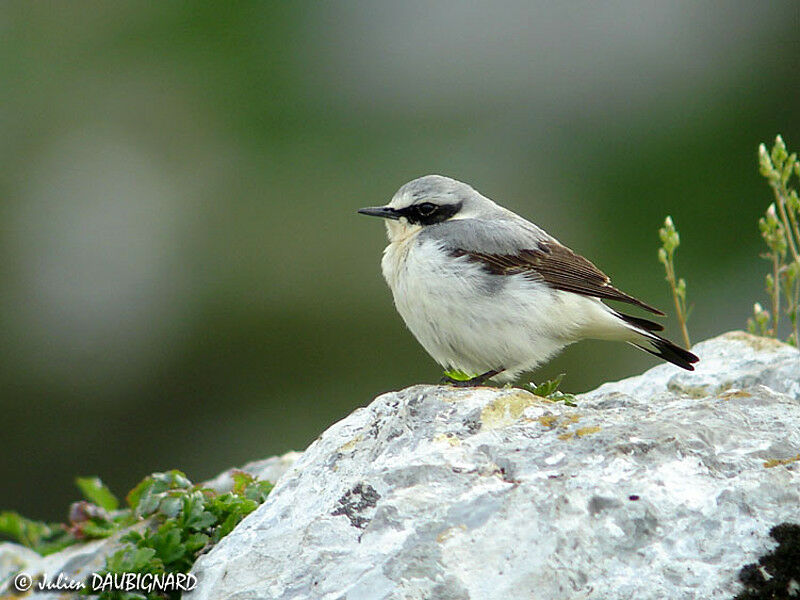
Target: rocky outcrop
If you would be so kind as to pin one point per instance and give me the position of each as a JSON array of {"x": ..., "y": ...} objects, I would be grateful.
[{"x": 658, "y": 486}]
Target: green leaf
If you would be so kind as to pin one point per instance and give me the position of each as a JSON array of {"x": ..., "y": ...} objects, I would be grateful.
[
  {"x": 549, "y": 390},
  {"x": 568, "y": 399},
  {"x": 167, "y": 543},
  {"x": 132, "y": 560},
  {"x": 93, "y": 529},
  {"x": 135, "y": 496},
  {"x": 44, "y": 538},
  {"x": 196, "y": 542},
  {"x": 548, "y": 387},
  {"x": 241, "y": 480},
  {"x": 258, "y": 491},
  {"x": 95, "y": 491},
  {"x": 170, "y": 506},
  {"x": 458, "y": 375},
  {"x": 194, "y": 514},
  {"x": 146, "y": 497}
]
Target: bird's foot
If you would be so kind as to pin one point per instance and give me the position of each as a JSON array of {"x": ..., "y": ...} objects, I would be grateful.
[{"x": 474, "y": 381}]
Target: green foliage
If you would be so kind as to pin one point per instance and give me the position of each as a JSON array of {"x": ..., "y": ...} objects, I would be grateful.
[
  {"x": 781, "y": 234},
  {"x": 185, "y": 520},
  {"x": 44, "y": 538},
  {"x": 176, "y": 522},
  {"x": 549, "y": 390},
  {"x": 95, "y": 491},
  {"x": 670, "y": 240},
  {"x": 458, "y": 375}
]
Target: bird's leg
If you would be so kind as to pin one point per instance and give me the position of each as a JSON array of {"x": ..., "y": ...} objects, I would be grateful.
[{"x": 478, "y": 380}]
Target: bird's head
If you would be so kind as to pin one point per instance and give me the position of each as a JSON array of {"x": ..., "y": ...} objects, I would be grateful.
[{"x": 427, "y": 201}]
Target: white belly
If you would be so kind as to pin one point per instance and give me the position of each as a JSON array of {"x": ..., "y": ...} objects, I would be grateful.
[{"x": 469, "y": 320}]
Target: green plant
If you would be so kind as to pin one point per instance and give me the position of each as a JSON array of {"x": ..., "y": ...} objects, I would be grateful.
[
  {"x": 458, "y": 375},
  {"x": 169, "y": 523},
  {"x": 185, "y": 521},
  {"x": 549, "y": 390},
  {"x": 44, "y": 538},
  {"x": 670, "y": 240},
  {"x": 781, "y": 234}
]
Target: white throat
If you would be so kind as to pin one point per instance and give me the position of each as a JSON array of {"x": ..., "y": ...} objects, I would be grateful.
[{"x": 401, "y": 230}]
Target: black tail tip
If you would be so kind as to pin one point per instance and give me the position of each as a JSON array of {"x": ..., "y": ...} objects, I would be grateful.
[{"x": 666, "y": 350}]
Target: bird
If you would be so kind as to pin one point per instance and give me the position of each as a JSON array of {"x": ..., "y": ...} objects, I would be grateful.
[{"x": 489, "y": 294}]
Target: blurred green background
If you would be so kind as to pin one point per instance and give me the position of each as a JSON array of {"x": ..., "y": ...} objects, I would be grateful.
[{"x": 185, "y": 282}]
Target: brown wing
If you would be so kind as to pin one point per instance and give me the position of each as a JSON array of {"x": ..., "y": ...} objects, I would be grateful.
[{"x": 559, "y": 267}]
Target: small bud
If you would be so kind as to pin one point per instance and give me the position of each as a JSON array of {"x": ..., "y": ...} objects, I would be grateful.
[
  {"x": 759, "y": 324},
  {"x": 662, "y": 256},
  {"x": 764, "y": 162},
  {"x": 778, "y": 152},
  {"x": 772, "y": 231},
  {"x": 681, "y": 289},
  {"x": 772, "y": 213},
  {"x": 669, "y": 236}
]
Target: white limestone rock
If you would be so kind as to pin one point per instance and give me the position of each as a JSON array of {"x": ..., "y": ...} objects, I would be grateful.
[
  {"x": 267, "y": 469},
  {"x": 655, "y": 487}
]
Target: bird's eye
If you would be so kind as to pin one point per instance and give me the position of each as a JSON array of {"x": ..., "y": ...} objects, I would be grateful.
[{"x": 426, "y": 209}]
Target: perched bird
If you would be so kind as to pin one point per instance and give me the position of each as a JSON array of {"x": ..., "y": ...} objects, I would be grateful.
[{"x": 490, "y": 294}]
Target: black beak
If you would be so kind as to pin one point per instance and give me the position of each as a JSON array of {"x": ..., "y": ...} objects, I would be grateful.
[{"x": 380, "y": 211}]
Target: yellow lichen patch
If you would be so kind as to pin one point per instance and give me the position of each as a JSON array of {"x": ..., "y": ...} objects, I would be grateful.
[
  {"x": 351, "y": 444},
  {"x": 776, "y": 462},
  {"x": 448, "y": 438},
  {"x": 548, "y": 421},
  {"x": 734, "y": 393},
  {"x": 586, "y": 431},
  {"x": 692, "y": 391},
  {"x": 507, "y": 409},
  {"x": 560, "y": 421},
  {"x": 580, "y": 432},
  {"x": 450, "y": 532}
]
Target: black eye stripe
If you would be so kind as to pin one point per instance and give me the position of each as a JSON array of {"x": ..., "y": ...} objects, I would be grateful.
[{"x": 428, "y": 213}]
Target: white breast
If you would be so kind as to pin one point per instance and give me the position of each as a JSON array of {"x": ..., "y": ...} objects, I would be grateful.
[{"x": 470, "y": 320}]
